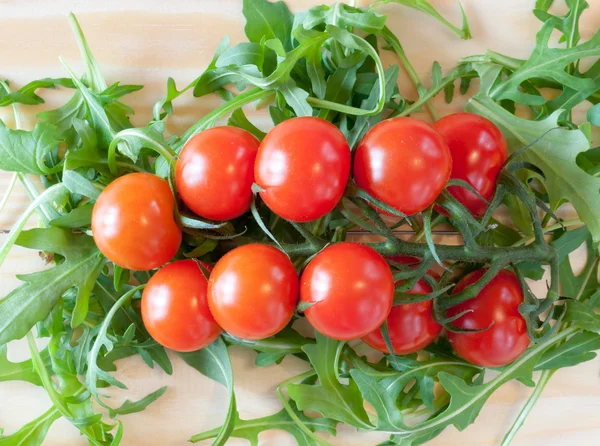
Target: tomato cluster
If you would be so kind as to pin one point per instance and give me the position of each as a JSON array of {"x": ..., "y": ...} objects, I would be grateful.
[{"x": 301, "y": 168}]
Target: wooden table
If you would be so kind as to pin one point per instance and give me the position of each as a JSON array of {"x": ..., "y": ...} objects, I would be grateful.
[{"x": 144, "y": 42}]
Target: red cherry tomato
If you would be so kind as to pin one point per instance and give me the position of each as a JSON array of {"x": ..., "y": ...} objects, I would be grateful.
[
  {"x": 175, "y": 308},
  {"x": 252, "y": 291},
  {"x": 404, "y": 163},
  {"x": 478, "y": 151},
  {"x": 133, "y": 223},
  {"x": 215, "y": 172},
  {"x": 351, "y": 287},
  {"x": 497, "y": 307},
  {"x": 411, "y": 327},
  {"x": 303, "y": 166}
]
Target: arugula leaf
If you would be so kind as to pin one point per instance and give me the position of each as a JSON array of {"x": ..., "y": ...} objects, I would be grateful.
[
  {"x": 268, "y": 20},
  {"x": 577, "y": 349},
  {"x": 19, "y": 371},
  {"x": 27, "y": 151},
  {"x": 569, "y": 25},
  {"x": 342, "y": 15},
  {"x": 26, "y": 95},
  {"x": 547, "y": 63},
  {"x": 555, "y": 154},
  {"x": 129, "y": 407},
  {"x": 582, "y": 316},
  {"x": 94, "y": 76},
  {"x": 22, "y": 308},
  {"x": 34, "y": 432},
  {"x": 251, "y": 429},
  {"x": 330, "y": 397},
  {"x": 422, "y": 5},
  {"x": 63, "y": 117},
  {"x": 213, "y": 362}
]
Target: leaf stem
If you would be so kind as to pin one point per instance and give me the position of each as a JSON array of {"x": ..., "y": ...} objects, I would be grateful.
[
  {"x": 8, "y": 191},
  {"x": 518, "y": 423},
  {"x": 408, "y": 67},
  {"x": 554, "y": 227}
]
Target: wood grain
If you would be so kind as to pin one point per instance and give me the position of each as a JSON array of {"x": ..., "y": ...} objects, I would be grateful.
[{"x": 144, "y": 42}]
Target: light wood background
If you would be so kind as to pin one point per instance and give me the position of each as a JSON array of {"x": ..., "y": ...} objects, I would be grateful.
[{"x": 144, "y": 42}]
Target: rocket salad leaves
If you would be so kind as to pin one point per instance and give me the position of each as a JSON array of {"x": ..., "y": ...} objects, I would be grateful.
[{"x": 322, "y": 62}]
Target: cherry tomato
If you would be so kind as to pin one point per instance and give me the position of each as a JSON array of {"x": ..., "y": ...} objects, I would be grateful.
[
  {"x": 175, "y": 308},
  {"x": 411, "y": 326},
  {"x": 351, "y": 288},
  {"x": 478, "y": 151},
  {"x": 303, "y": 166},
  {"x": 404, "y": 163},
  {"x": 252, "y": 291},
  {"x": 497, "y": 307},
  {"x": 133, "y": 223},
  {"x": 215, "y": 172}
]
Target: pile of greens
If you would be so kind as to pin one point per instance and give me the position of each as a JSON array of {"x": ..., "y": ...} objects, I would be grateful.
[{"x": 323, "y": 62}]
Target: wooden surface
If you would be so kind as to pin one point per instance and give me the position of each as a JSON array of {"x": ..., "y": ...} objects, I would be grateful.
[{"x": 144, "y": 42}]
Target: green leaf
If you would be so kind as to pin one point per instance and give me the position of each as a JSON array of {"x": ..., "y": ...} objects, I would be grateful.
[
  {"x": 555, "y": 154},
  {"x": 547, "y": 63},
  {"x": 80, "y": 217},
  {"x": 251, "y": 429},
  {"x": 54, "y": 193},
  {"x": 330, "y": 397},
  {"x": 26, "y": 95},
  {"x": 22, "y": 308},
  {"x": 26, "y": 151},
  {"x": 64, "y": 116},
  {"x": 342, "y": 15},
  {"x": 238, "y": 119},
  {"x": 213, "y": 362},
  {"x": 34, "y": 432},
  {"x": 129, "y": 407},
  {"x": 593, "y": 115},
  {"x": 19, "y": 371},
  {"x": 117, "y": 91},
  {"x": 94, "y": 372},
  {"x": 94, "y": 76},
  {"x": 575, "y": 350},
  {"x": 80, "y": 185},
  {"x": 424, "y": 6},
  {"x": 582, "y": 316},
  {"x": 568, "y": 25},
  {"x": 96, "y": 114},
  {"x": 130, "y": 142},
  {"x": 268, "y": 20}
]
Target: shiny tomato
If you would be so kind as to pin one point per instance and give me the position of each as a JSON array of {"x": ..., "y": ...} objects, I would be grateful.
[
  {"x": 411, "y": 326},
  {"x": 133, "y": 223},
  {"x": 175, "y": 309},
  {"x": 351, "y": 288},
  {"x": 252, "y": 291},
  {"x": 303, "y": 166},
  {"x": 478, "y": 151},
  {"x": 403, "y": 162},
  {"x": 497, "y": 307},
  {"x": 215, "y": 172}
]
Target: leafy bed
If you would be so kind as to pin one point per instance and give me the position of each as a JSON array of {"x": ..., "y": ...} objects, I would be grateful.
[{"x": 322, "y": 62}]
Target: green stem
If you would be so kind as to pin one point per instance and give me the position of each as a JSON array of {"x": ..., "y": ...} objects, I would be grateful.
[
  {"x": 51, "y": 391},
  {"x": 251, "y": 95},
  {"x": 408, "y": 67},
  {"x": 554, "y": 227},
  {"x": 518, "y": 423},
  {"x": 291, "y": 412},
  {"x": 8, "y": 191}
]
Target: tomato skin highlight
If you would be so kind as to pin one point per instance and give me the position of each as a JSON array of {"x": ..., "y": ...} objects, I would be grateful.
[
  {"x": 252, "y": 291},
  {"x": 411, "y": 326},
  {"x": 479, "y": 151},
  {"x": 352, "y": 289},
  {"x": 215, "y": 172},
  {"x": 175, "y": 308},
  {"x": 403, "y": 162},
  {"x": 303, "y": 166},
  {"x": 133, "y": 223},
  {"x": 497, "y": 304}
]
